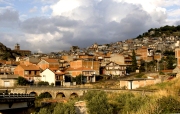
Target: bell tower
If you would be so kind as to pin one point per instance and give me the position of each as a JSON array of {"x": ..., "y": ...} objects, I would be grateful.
[{"x": 17, "y": 47}]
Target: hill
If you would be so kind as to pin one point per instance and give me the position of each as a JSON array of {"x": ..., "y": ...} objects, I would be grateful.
[
  {"x": 162, "y": 31},
  {"x": 6, "y": 53}
]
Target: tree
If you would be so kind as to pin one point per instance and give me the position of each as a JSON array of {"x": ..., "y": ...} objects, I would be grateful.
[
  {"x": 170, "y": 62},
  {"x": 44, "y": 111},
  {"x": 121, "y": 100},
  {"x": 22, "y": 81},
  {"x": 167, "y": 53},
  {"x": 98, "y": 104},
  {"x": 134, "y": 61},
  {"x": 44, "y": 95},
  {"x": 65, "y": 108},
  {"x": 128, "y": 69},
  {"x": 78, "y": 79},
  {"x": 142, "y": 66}
]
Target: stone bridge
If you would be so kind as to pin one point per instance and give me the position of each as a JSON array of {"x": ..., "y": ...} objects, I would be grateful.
[
  {"x": 53, "y": 91},
  {"x": 59, "y": 92}
]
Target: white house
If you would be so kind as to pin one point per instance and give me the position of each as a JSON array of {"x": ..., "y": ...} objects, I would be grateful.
[{"x": 48, "y": 76}]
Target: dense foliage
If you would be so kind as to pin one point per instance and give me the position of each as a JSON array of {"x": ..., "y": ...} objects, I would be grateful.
[
  {"x": 64, "y": 108},
  {"x": 166, "y": 30},
  {"x": 169, "y": 104},
  {"x": 78, "y": 79},
  {"x": 43, "y": 83},
  {"x": 44, "y": 95},
  {"x": 98, "y": 104},
  {"x": 22, "y": 81}
]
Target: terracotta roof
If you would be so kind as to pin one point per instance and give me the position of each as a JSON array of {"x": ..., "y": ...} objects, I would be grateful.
[
  {"x": 30, "y": 67},
  {"x": 52, "y": 69},
  {"x": 60, "y": 72},
  {"x": 51, "y": 60},
  {"x": 3, "y": 61}
]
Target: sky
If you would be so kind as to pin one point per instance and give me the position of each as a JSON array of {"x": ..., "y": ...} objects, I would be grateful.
[{"x": 55, "y": 25}]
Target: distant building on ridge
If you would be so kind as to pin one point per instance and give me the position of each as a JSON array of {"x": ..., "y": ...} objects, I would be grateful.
[{"x": 22, "y": 52}]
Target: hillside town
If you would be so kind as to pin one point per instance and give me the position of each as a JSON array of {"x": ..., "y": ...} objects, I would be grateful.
[{"x": 109, "y": 60}]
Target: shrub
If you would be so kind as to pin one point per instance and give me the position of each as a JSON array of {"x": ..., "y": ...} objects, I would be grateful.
[
  {"x": 43, "y": 83},
  {"x": 44, "y": 111},
  {"x": 64, "y": 108},
  {"x": 97, "y": 102},
  {"x": 140, "y": 76},
  {"x": 121, "y": 100},
  {"x": 78, "y": 79},
  {"x": 45, "y": 95},
  {"x": 169, "y": 104},
  {"x": 161, "y": 73},
  {"x": 22, "y": 81},
  {"x": 52, "y": 84},
  {"x": 134, "y": 103}
]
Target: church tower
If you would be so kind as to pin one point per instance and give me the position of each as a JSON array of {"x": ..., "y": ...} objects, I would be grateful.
[{"x": 17, "y": 47}]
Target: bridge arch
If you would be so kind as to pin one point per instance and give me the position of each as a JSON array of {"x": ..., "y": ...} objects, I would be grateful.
[
  {"x": 60, "y": 95},
  {"x": 73, "y": 95},
  {"x": 45, "y": 95},
  {"x": 34, "y": 93}
]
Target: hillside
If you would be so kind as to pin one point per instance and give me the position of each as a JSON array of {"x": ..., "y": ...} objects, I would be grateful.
[
  {"x": 162, "y": 31},
  {"x": 6, "y": 53}
]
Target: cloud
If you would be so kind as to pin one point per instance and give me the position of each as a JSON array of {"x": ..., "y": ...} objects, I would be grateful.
[
  {"x": 9, "y": 15},
  {"x": 47, "y": 42},
  {"x": 46, "y": 1},
  {"x": 40, "y": 25},
  {"x": 10, "y": 39},
  {"x": 177, "y": 23},
  {"x": 84, "y": 22},
  {"x": 9, "y": 18},
  {"x": 34, "y": 9},
  {"x": 45, "y": 8},
  {"x": 107, "y": 21},
  {"x": 5, "y": 2}
]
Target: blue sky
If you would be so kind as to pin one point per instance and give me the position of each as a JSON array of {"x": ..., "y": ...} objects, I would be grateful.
[{"x": 56, "y": 25}]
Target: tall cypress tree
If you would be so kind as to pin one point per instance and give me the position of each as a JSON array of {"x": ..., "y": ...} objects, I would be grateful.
[{"x": 134, "y": 61}]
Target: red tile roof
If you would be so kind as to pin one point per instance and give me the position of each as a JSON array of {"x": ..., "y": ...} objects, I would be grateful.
[
  {"x": 51, "y": 60},
  {"x": 3, "y": 61},
  {"x": 61, "y": 73},
  {"x": 53, "y": 69},
  {"x": 30, "y": 67}
]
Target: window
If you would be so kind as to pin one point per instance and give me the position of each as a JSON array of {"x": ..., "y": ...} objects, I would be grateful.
[
  {"x": 26, "y": 72},
  {"x": 30, "y": 72}
]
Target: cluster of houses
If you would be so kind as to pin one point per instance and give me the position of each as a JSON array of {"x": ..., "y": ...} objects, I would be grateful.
[
  {"x": 57, "y": 70},
  {"x": 108, "y": 59}
]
